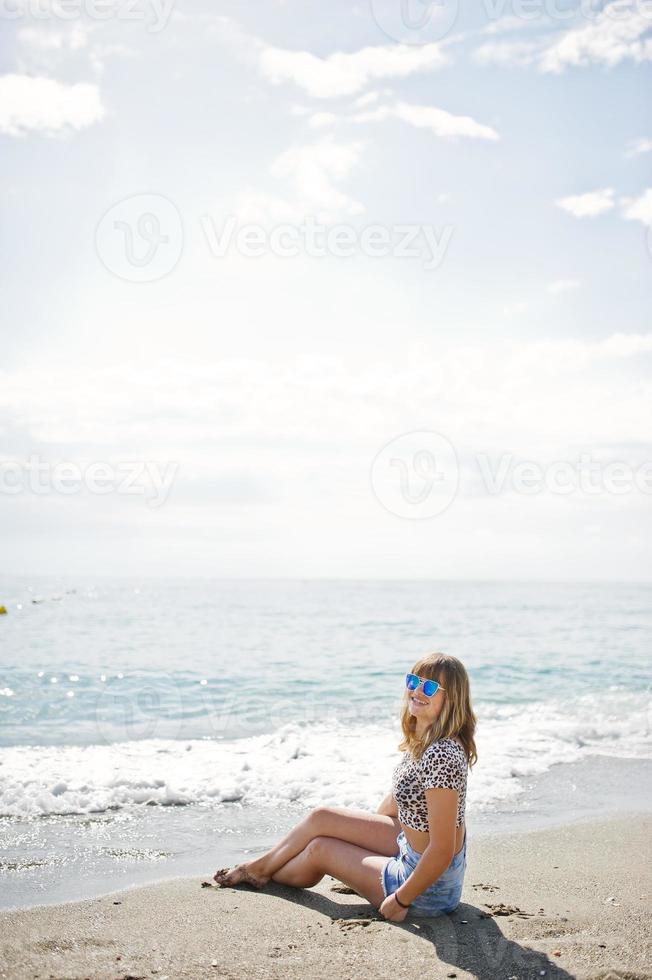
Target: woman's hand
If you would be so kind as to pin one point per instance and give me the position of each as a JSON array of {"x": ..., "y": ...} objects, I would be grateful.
[
  {"x": 388, "y": 806},
  {"x": 391, "y": 910}
]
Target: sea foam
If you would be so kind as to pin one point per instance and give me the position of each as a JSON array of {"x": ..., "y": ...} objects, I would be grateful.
[{"x": 316, "y": 764}]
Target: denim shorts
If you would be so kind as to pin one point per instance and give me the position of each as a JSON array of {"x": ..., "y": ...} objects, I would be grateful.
[{"x": 442, "y": 896}]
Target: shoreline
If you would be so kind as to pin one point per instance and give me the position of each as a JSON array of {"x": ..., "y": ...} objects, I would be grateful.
[
  {"x": 572, "y": 900},
  {"x": 105, "y": 853},
  {"x": 481, "y": 834}
]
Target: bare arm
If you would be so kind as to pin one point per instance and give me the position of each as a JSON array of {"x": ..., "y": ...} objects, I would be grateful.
[
  {"x": 442, "y": 811},
  {"x": 388, "y": 806}
]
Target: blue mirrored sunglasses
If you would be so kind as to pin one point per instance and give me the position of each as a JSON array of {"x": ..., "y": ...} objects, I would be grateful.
[{"x": 412, "y": 682}]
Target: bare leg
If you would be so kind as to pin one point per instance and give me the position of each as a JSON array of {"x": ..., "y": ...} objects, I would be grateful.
[
  {"x": 375, "y": 831},
  {"x": 357, "y": 867}
]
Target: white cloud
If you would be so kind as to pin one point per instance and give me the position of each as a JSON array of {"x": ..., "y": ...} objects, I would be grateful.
[
  {"x": 563, "y": 286},
  {"x": 598, "y": 202},
  {"x": 44, "y": 105},
  {"x": 619, "y": 32},
  {"x": 639, "y": 208},
  {"x": 313, "y": 168},
  {"x": 588, "y": 205},
  {"x": 346, "y": 73},
  {"x": 320, "y": 119},
  {"x": 637, "y": 147},
  {"x": 321, "y": 405},
  {"x": 510, "y": 23},
  {"x": 625, "y": 345},
  {"x": 440, "y": 122},
  {"x": 42, "y": 39},
  {"x": 520, "y": 53},
  {"x": 49, "y": 47},
  {"x": 313, "y": 172},
  {"x": 367, "y": 99},
  {"x": 264, "y": 444},
  {"x": 100, "y": 53}
]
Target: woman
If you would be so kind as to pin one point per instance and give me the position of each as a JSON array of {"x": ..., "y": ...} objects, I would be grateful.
[{"x": 424, "y": 813}]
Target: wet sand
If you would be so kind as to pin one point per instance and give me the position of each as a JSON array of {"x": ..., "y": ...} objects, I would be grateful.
[{"x": 572, "y": 901}]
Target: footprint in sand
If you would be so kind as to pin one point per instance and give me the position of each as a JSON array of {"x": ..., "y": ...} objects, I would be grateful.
[
  {"x": 502, "y": 909},
  {"x": 347, "y": 924}
]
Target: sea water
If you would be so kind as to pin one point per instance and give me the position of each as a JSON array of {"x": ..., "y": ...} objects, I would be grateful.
[{"x": 159, "y": 727}]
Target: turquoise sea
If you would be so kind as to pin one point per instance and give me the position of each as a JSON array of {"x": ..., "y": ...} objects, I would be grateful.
[{"x": 150, "y": 728}]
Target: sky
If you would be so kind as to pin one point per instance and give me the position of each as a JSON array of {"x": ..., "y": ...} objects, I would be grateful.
[{"x": 296, "y": 289}]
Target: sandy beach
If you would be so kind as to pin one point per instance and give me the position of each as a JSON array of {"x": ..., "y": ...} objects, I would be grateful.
[{"x": 569, "y": 901}]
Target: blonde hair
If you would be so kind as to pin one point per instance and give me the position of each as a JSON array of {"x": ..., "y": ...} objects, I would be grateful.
[{"x": 456, "y": 717}]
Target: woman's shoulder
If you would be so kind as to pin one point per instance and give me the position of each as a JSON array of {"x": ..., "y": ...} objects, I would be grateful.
[
  {"x": 445, "y": 748},
  {"x": 447, "y": 742}
]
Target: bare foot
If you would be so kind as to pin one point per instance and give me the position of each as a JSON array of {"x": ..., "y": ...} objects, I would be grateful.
[{"x": 238, "y": 875}]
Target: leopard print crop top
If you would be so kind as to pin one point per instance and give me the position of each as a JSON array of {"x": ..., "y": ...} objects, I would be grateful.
[{"x": 442, "y": 765}]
